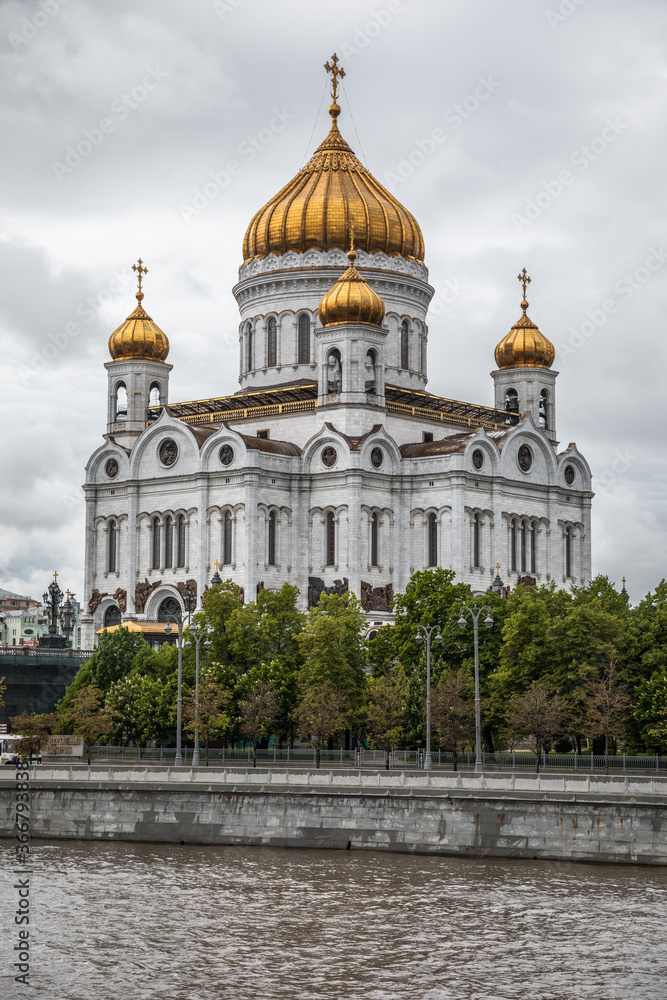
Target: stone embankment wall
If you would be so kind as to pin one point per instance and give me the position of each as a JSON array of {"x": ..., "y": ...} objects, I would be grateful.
[{"x": 564, "y": 817}]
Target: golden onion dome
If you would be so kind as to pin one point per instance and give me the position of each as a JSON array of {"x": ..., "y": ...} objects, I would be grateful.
[
  {"x": 525, "y": 346},
  {"x": 332, "y": 194},
  {"x": 139, "y": 338},
  {"x": 351, "y": 300}
]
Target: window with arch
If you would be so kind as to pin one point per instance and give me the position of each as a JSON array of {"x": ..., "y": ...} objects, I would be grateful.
[
  {"x": 154, "y": 395},
  {"x": 432, "y": 544},
  {"x": 375, "y": 548},
  {"x": 169, "y": 542},
  {"x": 303, "y": 346},
  {"x": 170, "y": 607},
  {"x": 405, "y": 344},
  {"x": 272, "y": 342},
  {"x": 271, "y": 560},
  {"x": 476, "y": 541},
  {"x": 330, "y": 540},
  {"x": 112, "y": 616},
  {"x": 112, "y": 561},
  {"x": 155, "y": 555},
  {"x": 513, "y": 546},
  {"x": 334, "y": 372},
  {"x": 511, "y": 401},
  {"x": 568, "y": 552},
  {"x": 248, "y": 347},
  {"x": 227, "y": 538},
  {"x": 121, "y": 402},
  {"x": 181, "y": 540},
  {"x": 533, "y": 548},
  {"x": 371, "y": 372},
  {"x": 543, "y": 419}
]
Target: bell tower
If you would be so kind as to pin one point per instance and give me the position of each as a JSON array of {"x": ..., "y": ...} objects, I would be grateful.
[{"x": 138, "y": 373}]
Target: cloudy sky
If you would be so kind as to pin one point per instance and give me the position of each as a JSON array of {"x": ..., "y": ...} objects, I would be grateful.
[{"x": 523, "y": 133}]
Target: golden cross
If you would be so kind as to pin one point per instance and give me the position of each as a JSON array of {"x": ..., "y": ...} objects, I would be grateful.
[
  {"x": 144, "y": 270},
  {"x": 68, "y": 593},
  {"x": 524, "y": 279},
  {"x": 55, "y": 576},
  {"x": 623, "y": 583},
  {"x": 497, "y": 569},
  {"x": 216, "y": 565},
  {"x": 336, "y": 71}
]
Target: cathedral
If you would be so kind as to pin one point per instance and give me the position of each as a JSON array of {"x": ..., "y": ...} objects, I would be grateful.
[{"x": 331, "y": 467}]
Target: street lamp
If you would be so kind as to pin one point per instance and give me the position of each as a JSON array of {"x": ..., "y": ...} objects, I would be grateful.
[
  {"x": 178, "y": 621},
  {"x": 189, "y": 600},
  {"x": 195, "y": 635},
  {"x": 488, "y": 621},
  {"x": 424, "y": 633}
]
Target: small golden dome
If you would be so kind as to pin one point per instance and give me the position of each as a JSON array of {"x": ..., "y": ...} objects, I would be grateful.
[
  {"x": 318, "y": 207},
  {"x": 351, "y": 300},
  {"x": 139, "y": 338},
  {"x": 525, "y": 346}
]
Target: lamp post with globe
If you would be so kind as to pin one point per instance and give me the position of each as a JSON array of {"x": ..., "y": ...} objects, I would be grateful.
[
  {"x": 197, "y": 633},
  {"x": 424, "y": 633},
  {"x": 488, "y": 621}
]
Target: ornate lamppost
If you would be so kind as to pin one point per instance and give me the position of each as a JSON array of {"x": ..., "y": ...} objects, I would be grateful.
[
  {"x": 488, "y": 621},
  {"x": 424, "y": 633},
  {"x": 52, "y": 601},
  {"x": 189, "y": 601},
  {"x": 178, "y": 622},
  {"x": 194, "y": 638},
  {"x": 67, "y": 618}
]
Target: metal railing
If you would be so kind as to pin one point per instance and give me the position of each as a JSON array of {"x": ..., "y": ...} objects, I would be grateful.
[{"x": 401, "y": 759}]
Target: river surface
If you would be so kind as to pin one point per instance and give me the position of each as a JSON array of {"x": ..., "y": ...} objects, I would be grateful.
[{"x": 126, "y": 921}]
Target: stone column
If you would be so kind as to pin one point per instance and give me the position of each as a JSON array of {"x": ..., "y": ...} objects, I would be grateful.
[
  {"x": 131, "y": 575},
  {"x": 202, "y": 541},
  {"x": 353, "y": 532}
]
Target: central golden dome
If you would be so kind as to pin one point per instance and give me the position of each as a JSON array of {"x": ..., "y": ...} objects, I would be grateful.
[{"x": 330, "y": 196}]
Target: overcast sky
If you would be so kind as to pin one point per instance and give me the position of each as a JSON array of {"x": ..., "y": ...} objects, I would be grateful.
[{"x": 523, "y": 133}]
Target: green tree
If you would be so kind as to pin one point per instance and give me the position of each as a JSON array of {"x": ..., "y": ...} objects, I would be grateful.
[
  {"x": 34, "y": 729},
  {"x": 140, "y": 709},
  {"x": 607, "y": 708},
  {"x": 259, "y": 711},
  {"x": 115, "y": 657},
  {"x": 87, "y": 717},
  {"x": 387, "y": 699},
  {"x": 333, "y": 651},
  {"x": 267, "y": 630},
  {"x": 211, "y": 720},
  {"x": 320, "y": 715},
  {"x": 536, "y": 716},
  {"x": 453, "y": 712},
  {"x": 650, "y": 711},
  {"x": 219, "y": 604}
]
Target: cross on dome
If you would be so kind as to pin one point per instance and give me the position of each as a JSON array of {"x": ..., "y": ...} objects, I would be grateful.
[
  {"x": 335, "y": 72},
  {"x": 525, "y": 280},
  {"x": 140, "y": 270}
]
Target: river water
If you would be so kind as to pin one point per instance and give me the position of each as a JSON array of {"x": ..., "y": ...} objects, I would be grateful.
[{"x": 122, "y": 921}]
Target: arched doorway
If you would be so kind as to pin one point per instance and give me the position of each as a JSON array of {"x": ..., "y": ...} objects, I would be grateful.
[
  {"x": 169, "y": 606},
  {"x": 112, "y": 616}
]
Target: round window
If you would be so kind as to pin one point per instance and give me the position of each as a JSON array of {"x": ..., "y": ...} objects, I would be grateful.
[
  {"x": 377, "y": 457},
  {"x": 478, "y": 458},
  {"x": 525, "y": 458},
  {"x": 111, "y": 468},
  {"x": 226, "y": 454},
  {"x": 168, "y": 452},
  {"x": 569, "y": 474},
  {"x": 329, "y": 456}
]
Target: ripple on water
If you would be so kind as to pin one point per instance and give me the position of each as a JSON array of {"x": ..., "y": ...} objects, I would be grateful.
[{"x": 168, "y": 922}]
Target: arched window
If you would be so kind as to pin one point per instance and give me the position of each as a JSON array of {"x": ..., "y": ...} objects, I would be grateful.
[
  {"x": 533, "y": 548},
  {"x": 121, "y": 402},
  {"x": 248, "y": 347},
  {"x": 181, "y": 540},
  {"x": 112, "y": 564},
  {"x": 272, "y": 342},
  {"x": 331, "y": 540},
  {"x": 568, "y": 552},
  {"x": 432, "y": 540},
  {"x": 370, "y": 372},
  {"x": 303, "y": 350},
  {"x": 334, "y": 372},
  {"x": 513, "y": 546},
  {"x": 272, "y": 539},
  {"x": 405, "y": 344},
  {"x": 155, "y": 560},
  {"x": 511, "y": 401},
  {"x": 169, "y": 542},
  {"x": 375, "y": 560},
  {"x": 476, "y": 530},
  {"x": 227, "y": 538},
  {"x": 112, "y": 616},
  {"x": 543, "y": 415},
  {"x": 169, "y": 606},
  {"x": 524, "y": 546},
  {"x": 154, "y": 395}
]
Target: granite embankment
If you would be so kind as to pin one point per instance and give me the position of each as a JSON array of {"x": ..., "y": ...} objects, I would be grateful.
[{"x": 564, "y": 817}]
